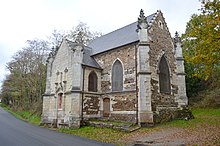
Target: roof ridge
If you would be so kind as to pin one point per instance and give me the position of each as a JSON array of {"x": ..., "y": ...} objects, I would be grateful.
[
  {"x": 118, "y": 37},
  {"x": 124, "y": 26}
]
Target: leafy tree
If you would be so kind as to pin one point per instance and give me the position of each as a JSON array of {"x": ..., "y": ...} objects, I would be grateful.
[{"x": 202, "y": 39}]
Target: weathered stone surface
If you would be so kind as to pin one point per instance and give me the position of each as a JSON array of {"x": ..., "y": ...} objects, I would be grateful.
[
  {"x": 165, "y": 114},
  {"x": 126, "y": 55},
  {"x": 124, "y": 103},
  {"x": 124, "y": 117},
  {"x": 91, "y": 105}
]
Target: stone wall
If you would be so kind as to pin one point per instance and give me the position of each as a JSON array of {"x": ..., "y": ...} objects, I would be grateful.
[
  {"x": 123, "y": 105},
  {"x": 161, "y": 43},
  {"x": 124, "y": 54},
  {"x": 88, "y": 70},
  {"x": 165, "y": 114},
  {"x": 91, "y": 105}
]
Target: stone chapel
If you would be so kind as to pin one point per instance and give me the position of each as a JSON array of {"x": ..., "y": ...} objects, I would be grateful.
[{"x": 135, "y": 73}]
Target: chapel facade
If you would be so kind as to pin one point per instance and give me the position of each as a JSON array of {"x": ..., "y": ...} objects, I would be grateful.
[{"x": 135, "y": 73}]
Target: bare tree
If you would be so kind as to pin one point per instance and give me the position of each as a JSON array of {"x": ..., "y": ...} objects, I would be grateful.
[
  {"x": 56, "y": 38},
  {"x": 82, "y": 34},
  {"x": 26, "y": 82}
]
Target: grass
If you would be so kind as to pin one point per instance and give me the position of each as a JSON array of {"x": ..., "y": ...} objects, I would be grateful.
[
  {"x": 100, "y": 134},
  {"x": 203, "y": 117},
  {"x": 207, "y": 115},
  {"x": 23, "y": 115},
  {"x": 206, "y": 118}
]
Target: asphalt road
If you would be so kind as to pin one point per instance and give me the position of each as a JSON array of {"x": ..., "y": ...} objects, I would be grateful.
[{"x": 14, "y": 132}]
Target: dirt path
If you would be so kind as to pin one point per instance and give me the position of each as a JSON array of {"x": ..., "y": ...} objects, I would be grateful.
[
  {"x": 161, "y": 138},
  {"x": 202, "y": 134}
]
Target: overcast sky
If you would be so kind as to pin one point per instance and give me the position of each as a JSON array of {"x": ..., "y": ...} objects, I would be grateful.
[{"x": 22, "y": 20}]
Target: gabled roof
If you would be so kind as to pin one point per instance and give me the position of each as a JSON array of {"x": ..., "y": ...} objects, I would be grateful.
[
  {"x": 117, "y": 38},
  {"x": 88, "y": 60}
]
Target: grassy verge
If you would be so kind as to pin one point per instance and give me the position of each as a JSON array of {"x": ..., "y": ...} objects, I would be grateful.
[
  {"x": 202, "y": 116},
  {"x": 100, "y": 134},
  {"x": 23, "y": 115}
]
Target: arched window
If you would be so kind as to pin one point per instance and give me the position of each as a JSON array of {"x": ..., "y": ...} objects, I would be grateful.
[
  {"x": 117, "y": 76},
  {"x": 164, "y": 76},
  {"x": 92, "y": 85}
]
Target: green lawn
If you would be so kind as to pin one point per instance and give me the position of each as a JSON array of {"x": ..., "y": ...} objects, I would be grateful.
[{"x": 202, "y": 116}]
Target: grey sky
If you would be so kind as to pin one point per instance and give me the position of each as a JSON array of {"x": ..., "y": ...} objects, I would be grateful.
[{"x": 21, "y": 20}]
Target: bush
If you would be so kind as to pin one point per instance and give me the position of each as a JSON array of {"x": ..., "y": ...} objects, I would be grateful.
[{"x": 209, "y": 98}]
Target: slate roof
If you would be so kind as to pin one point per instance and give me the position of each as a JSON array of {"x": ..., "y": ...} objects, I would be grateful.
[
  {"x": 117, "y": 38},
  {"x": 88, "y": 60}
]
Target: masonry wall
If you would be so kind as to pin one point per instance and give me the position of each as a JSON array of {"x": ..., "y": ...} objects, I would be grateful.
[
  {"x": 161, "y": 43},
  {"x": 64, "y": 76},
  {"x": 92, "y": 102},
  {"x": 122, "y": 104},
  {"x": 62, "y": 62}
]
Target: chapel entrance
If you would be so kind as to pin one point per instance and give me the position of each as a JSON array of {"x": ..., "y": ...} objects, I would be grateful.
[{"x": 106, "y": 107}]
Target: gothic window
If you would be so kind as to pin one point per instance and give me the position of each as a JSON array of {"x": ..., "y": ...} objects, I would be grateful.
[
  {"x": 92, "y": 85},
  {"x": 117, "y": 76},
  {"x": 164, "y": 76}
]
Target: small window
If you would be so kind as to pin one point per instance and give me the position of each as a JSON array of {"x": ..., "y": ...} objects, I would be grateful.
[
  {"x": 92, "y": 85},
  {"x": 160, "y": 24},
  {"x": 164, "y": 76},
  {"x": 60, "y": 98},
  {"x": 117, "y": 76}
]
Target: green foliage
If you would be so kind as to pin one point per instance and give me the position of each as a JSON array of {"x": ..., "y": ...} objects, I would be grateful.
[
  {"x": 194, "y": 84},
  {"x": 201, "y": 49},
  {"x": 202, "y": 39},
  {"x": 23, "y": 115},
  {"x": 30, "y": 117}
]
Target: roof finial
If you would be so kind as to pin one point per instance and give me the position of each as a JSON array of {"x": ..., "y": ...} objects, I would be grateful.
[
  {"x": 142, "y": 22},
  {"x": 141, "y": 16},
  {"x": 177, "y": 38}
]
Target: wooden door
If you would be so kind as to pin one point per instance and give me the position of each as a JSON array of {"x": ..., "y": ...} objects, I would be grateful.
[{"x": 106, "y": 107}]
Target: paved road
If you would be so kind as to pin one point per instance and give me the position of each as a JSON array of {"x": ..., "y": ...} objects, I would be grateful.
[{"x": 14, "y": 132}]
